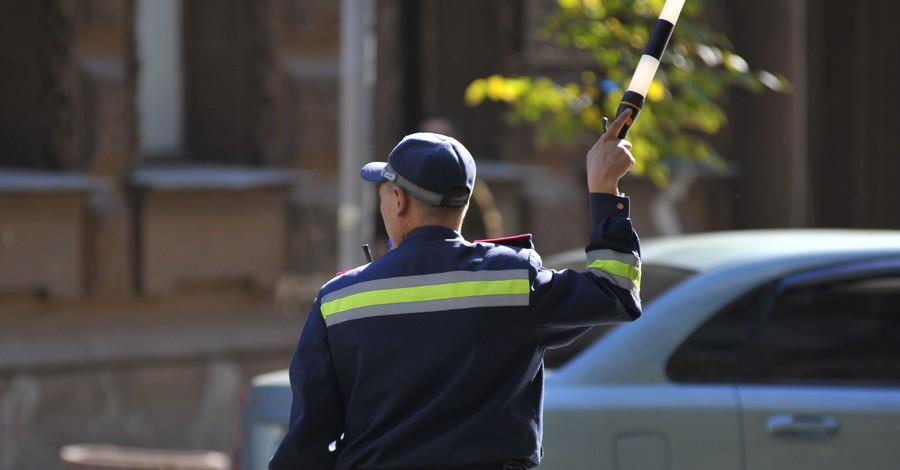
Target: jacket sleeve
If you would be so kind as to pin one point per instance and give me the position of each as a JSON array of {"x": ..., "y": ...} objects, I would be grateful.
[
  {"x": 567, "y": 302},
  {"x": 317, "y": 410}
]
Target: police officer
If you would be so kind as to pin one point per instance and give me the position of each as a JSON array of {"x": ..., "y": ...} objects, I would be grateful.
[{"x": 431, "y": 355}]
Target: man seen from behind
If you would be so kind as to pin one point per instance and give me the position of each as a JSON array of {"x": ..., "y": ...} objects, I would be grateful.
[{"x": 431, "y": 356}]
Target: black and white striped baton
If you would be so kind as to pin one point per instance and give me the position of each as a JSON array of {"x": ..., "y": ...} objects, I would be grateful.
[{"x": 646, "y": 68}]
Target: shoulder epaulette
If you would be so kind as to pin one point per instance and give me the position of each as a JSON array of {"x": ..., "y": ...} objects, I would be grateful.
[
  {"x": 519, "y": 241},
  {"x": 340, "y": 273}
]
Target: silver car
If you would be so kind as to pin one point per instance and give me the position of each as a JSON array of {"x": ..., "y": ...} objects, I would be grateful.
[
  {"x": 757, "y": 350},
  {"x": 777, "y": 350}
]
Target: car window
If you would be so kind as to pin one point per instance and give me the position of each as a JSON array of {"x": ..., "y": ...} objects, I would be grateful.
[
  {"x": 842, "y": 332},
  {"x": 712, "y": 353},
  {"x": 657, "y": 279}
]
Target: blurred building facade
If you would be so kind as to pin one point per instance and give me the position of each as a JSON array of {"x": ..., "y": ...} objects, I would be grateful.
[{"x": 168, "y": 196}]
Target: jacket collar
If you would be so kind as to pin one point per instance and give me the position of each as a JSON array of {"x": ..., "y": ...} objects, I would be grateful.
[{"x": 431, "y": 233}]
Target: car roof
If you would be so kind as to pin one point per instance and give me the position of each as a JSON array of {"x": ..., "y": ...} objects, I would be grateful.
[
  {"x": 702, "y": 252},
  {"x": 275, "y": 378}
]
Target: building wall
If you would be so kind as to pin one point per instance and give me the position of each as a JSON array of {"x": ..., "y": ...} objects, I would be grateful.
[
  {"x": 139, "y": 292},
  {"x": 853, "y": 114}
]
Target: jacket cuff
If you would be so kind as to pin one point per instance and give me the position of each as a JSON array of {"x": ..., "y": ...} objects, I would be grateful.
[{"x": 605, "y": 206}]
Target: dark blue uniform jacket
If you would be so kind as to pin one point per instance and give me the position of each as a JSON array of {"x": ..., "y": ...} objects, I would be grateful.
[{"x": 432, "y": 355}]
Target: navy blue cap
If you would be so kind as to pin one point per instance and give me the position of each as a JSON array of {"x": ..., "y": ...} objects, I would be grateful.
[{"x": 428, "y": 166}]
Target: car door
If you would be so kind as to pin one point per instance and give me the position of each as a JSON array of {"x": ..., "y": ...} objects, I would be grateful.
[
  {"x": 819, "y": 387},
  {"x": 688, "y": 419}
]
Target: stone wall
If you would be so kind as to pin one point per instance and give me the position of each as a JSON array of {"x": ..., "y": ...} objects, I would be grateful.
[{"x": 165, "y": 379}]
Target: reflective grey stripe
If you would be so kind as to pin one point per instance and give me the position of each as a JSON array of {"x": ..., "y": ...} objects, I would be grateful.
[
  {"x": 428, "y": 306},
  {"x": 427, "y": 293},
  {"x": 426, "y": 280},
  {"x": 622, "y": 269},
  {"x": 627, "y": 258}
]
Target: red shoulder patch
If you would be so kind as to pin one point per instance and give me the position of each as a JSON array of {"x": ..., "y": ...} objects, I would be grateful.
[
  {"x": 520, "y": 241},
  {"x": 348, "y": 270}
]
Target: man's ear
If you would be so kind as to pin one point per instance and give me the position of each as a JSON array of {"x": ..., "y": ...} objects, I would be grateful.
[{"x": 401, "y": 200}]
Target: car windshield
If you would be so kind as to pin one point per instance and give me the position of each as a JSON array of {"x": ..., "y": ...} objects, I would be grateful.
[{"x": 655, "y": 280}]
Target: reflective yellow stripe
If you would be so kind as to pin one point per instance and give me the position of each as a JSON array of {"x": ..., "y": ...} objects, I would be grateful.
[
  {"x": 436, "y": 292},
  {"x": 425, "y": 293},
  {"x": 618, "y": 268}
]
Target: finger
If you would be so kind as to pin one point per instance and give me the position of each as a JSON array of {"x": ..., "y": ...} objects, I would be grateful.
[{"x": 619, "y": 123}]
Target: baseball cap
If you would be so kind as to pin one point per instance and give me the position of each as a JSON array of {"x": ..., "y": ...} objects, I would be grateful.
[{"x": 427, "y": 166}]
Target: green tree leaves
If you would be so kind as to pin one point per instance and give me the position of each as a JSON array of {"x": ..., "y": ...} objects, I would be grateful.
[{"x": 683, "y": 106}]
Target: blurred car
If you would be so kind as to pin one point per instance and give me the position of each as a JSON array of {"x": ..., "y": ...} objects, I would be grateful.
[
  {"x": 780, "y": 350},
  {"x": 264, "y": 420},
  {"x": 757, "y": 349}
]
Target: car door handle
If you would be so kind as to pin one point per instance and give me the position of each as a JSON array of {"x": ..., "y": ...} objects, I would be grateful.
[{"x": 802, "y": 426}]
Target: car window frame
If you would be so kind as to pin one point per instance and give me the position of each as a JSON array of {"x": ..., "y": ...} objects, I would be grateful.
[{"x": 808, "y": 279}]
